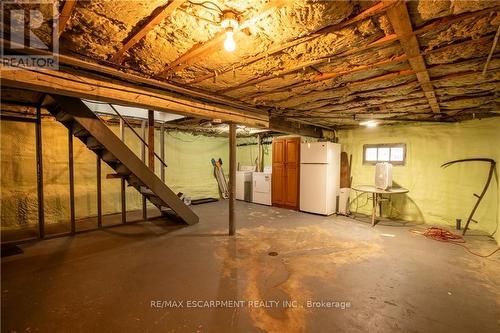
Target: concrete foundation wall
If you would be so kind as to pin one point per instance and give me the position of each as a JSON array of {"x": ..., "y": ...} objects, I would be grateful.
[{"x": 437, "y": 195}]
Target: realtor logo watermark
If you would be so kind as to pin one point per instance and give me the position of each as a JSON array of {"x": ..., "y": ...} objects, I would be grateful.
[
  {"x": 30, "y": 34},
  {"x": 233, "y": 303}
]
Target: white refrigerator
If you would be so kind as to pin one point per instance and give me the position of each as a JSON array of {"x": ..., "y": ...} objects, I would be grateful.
[{"x": 319, "y": 177}]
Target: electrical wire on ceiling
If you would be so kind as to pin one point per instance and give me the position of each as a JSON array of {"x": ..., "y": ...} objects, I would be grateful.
[
  {"x": 199, "y": 17},
  {"x": 204, "y": 5}
]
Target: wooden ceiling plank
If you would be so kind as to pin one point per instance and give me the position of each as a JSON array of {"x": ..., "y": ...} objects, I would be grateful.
[
  {"x": 256, "y": 80},
  {"x": 484, "y": 39},
  {"x": 383, "y": 41},
  {"x": 372, "y": 102},
  {"x": 401, "y": 23},
  {"x": 382, "y": 91},
  {"x": 361, "y": 68},
  {"x": 201, "y": 49},
  {"x": 372, "y": 11},
  {"x": 384, "y": 77},
  {"x": 65, "y": 15},
  {"x": 151, "y": 23},
  {"x": 448, "y": 20}
]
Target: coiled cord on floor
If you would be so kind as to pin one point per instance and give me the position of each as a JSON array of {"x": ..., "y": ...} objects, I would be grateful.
[{"x": 446, "y": 236}]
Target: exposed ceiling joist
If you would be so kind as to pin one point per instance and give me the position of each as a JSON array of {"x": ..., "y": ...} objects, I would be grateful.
[
  {"x": 132, "y": 78},
  {"x": 372, "y": 11},
  {"x": 65, "y": 15},
  {"x": 395, "y": 60},
  {"x": 155, "y": 19},
  {"x": 96, "y": 88},
  {"x": 373, "y": 103},
  {"x": 347, "y": 105},
  {"x": 385, "y": 77},
  {"x": 401, "y": 23},
  {"x": 379, "y": 43},
  {"x": 438, "y": 23},
  {"x": 201, "y": 49},
  {"x": 259, "y": 79}
]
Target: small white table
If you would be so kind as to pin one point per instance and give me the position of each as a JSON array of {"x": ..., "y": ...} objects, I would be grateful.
[{"x": 377, "y": 196}]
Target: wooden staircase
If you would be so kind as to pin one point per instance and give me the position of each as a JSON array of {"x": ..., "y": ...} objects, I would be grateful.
[{"x": 91, "y": 130}]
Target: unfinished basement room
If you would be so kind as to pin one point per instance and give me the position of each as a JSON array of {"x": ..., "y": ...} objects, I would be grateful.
[{"x": 250, "y": 166}]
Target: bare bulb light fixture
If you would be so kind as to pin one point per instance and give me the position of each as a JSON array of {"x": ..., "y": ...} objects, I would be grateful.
[{"x": 230, "y": 23}]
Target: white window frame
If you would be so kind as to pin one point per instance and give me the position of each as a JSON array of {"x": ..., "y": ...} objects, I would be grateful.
[{"x": 384, "y": 145}]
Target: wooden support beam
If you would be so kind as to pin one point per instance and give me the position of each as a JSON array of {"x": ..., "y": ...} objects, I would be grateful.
[
  {"x": 132, "y": 78},
  {"x": 123, "y": 201},
  {"x": 71, "y": 181},
  {"x": 232, "y": 178},
  {"x": 65, "y": 15},
  {"x": 123, "y": 184},
  {"x": 162, "y": 150},
  {"x": 39, "y": 173},
  {"x": 326, "y": 130},
  {"x": 99, "y": 191},
  {"x": 155, "y": 19},
  {"x": 75, "y": 85},
  {"x": 401, "y": 23},
  {"x": 97, "y": 88},
  {"x": 143, "y": 158},
  {"x": 278, "y": 124},
  {"x": 260, "y": 159},
  {"x": 201, "y": 49},
  {"x": 372, "y": 11},
  {"x": 151, "y": 140}
]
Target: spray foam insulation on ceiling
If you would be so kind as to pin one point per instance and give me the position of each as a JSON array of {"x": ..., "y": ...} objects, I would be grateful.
[{"x": 284, "y": 82}]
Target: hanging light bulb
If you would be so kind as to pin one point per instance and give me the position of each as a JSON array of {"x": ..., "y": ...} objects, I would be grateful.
[
  {"x": 229, "y": 43},
  {"x": 229, "y": 22}
]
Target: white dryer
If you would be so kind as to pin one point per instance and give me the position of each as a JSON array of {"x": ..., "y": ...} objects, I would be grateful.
[
  {"x": 262, "y": 186},
  {"x": 244, "y": 183}
]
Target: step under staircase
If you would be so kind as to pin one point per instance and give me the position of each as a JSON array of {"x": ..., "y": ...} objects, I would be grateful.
[{"x": 92, "y": 131}]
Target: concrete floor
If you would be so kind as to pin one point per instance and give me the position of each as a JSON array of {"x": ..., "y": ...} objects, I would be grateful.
[{"x": 385, "y": 279}]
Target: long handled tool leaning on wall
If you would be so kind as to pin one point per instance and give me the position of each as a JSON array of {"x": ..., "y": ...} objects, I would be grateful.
[{"x": 479, "y": 197}]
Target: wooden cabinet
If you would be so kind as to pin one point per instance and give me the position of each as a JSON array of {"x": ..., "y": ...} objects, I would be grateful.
[{"x": 286, "y": 172}]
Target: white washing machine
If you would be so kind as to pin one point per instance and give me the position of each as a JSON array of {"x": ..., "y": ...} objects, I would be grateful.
[
  {"x": 261, "y": 193},
  {"x": 244, "y": 183}
]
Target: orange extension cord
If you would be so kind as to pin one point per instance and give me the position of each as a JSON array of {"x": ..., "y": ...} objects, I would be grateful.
[{"x": 446, "y": 236}]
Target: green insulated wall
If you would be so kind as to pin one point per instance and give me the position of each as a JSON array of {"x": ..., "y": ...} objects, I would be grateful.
[
  {"x": 437, "y": 195},
  {"x": 189, "y": 170}
]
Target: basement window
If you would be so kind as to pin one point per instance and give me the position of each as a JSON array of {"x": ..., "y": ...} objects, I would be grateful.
[{"x": 394, "y": 153}]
